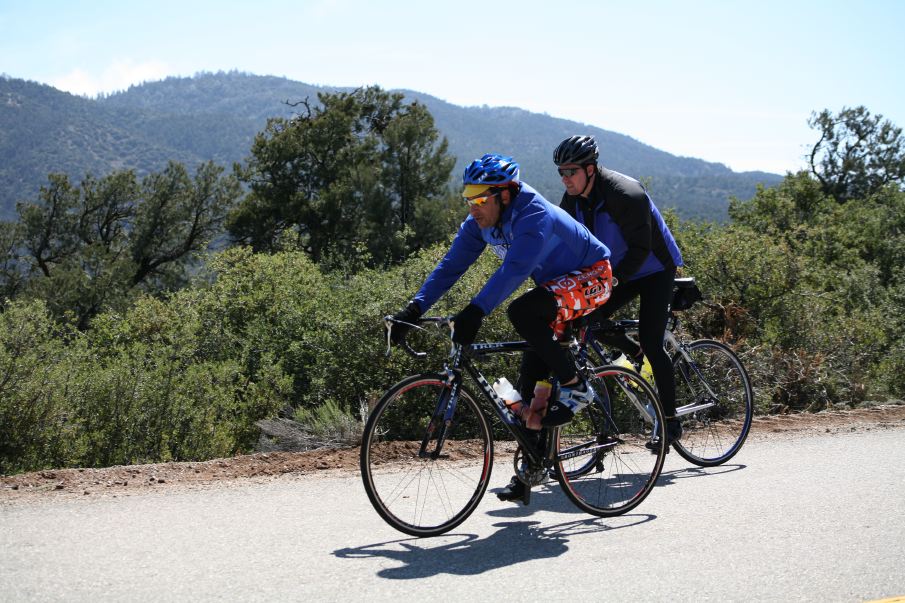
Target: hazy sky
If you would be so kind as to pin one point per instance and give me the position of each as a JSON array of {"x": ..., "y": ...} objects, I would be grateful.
[{"x": 728, "y": 81}]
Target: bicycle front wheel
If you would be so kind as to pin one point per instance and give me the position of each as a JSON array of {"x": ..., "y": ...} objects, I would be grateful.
[
  {"x": 609, "y": 457},
  {"x": 715, "y": 381},
  {"x": 414, "y": 486}
]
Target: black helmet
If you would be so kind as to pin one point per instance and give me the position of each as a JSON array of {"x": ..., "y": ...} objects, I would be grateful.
[{"x": 576, "y": 149}]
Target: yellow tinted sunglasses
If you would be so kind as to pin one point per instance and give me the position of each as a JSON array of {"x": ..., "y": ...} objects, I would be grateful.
[{"x": 480, "y": 200}]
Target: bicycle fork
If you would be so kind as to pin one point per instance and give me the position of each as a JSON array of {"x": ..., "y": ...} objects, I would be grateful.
[{"x": 441, "y": 420}]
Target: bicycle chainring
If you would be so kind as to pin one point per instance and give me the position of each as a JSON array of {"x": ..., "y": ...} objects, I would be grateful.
[{"x": 533, "y": 476}]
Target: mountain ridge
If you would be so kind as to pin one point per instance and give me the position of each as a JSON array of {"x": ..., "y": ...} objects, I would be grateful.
[{"x": 215, "y": 116}]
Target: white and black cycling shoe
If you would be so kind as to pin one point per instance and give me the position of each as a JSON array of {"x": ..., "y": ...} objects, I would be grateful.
[
  {"x": 557, "y": 414},
  {"x": 571, "y": 399}
]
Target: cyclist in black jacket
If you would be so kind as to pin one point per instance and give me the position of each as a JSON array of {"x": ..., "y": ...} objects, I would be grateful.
[{"x": 644, "y": 254}]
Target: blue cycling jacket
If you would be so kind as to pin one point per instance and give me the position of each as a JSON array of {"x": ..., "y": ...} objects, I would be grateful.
[{"x": 537, "y": 239}]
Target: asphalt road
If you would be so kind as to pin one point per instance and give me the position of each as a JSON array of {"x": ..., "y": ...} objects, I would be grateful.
[{"x": 810, "y": 518}]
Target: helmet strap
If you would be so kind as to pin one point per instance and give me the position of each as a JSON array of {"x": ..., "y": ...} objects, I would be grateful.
[{"x": 587, "y": 189}]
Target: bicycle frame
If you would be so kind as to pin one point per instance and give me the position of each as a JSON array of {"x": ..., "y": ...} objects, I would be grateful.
[
  {"x": 672, "y": 345},
  {"x": 670, "y": 340},
  {"x": 587, "y": 339},
  {"x": 446, "y": 405},
  {"x": 462, "y": 359}
]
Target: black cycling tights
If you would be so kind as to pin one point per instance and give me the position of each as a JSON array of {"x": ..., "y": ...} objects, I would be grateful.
[
  {"x": 654, "y": 292},
  {"x": 531, "y": 315}
]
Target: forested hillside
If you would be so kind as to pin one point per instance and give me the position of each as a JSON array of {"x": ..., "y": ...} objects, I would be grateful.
[
  {"x": 214, "y": 117},
  {"x": 125, "y": 337}
]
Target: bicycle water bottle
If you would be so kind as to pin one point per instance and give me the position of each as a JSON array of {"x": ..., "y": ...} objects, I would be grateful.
[
  {"x": 643, "y": 368},
  {"x": 538, "y": 407},
  {"x": 511, "y": 398},
  {"x": 624, "y": 362}
]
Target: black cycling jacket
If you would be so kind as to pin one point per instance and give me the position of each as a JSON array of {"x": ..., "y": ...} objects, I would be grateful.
[{"x": 643, "y": 241}]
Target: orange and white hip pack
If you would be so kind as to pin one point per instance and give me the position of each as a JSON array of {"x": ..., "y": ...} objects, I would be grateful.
[{"x": 579, "y": 292}]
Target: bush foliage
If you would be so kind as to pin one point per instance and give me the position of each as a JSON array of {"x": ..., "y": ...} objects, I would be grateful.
[
  {"x": 807, "y": 286},
  {"x": 809, "y": 291},
  {"x": 187, "y": 377},
  {"x": 814, "y": 308}
]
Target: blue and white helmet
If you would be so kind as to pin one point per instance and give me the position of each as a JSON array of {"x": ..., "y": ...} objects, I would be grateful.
[{"x": 491, "y": 170}]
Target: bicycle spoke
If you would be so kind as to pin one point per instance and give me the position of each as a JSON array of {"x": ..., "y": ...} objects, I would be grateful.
[
  {"x": 619, "y": 476},
  {"x": 425, "y": 496},
  {"x": 713, "y": 435}
]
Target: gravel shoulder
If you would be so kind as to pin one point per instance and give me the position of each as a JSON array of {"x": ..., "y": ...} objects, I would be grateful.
[{"x": 128, "y": 480}]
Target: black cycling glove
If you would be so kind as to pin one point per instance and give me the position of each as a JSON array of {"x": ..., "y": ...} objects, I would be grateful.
[
  {"x": 466, "y": 324},
  {"x": 410, "y": 314}
]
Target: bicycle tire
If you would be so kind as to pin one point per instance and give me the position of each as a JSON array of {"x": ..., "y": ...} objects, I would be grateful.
[
  {"x": 625, "y": 470},
  {"x": 420, "y": 495},
  {"x": 713, "y": 436}
]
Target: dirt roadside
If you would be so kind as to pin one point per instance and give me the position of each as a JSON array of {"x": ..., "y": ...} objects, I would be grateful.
[{"x": 137, "y": 479}]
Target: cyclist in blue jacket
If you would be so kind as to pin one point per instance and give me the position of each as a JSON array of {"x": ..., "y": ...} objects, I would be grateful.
[
  {"x": 618, "y": 210},
  {"x": 535, "y": 239}
]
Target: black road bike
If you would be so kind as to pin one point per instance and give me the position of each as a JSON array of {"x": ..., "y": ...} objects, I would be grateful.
[
  {"x": 427, "y": 448},
  {"x": 714, "y": 397}
]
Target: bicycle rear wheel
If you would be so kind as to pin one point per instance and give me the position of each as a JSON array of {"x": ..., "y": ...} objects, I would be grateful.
[
  {"x": 717, "y": 377},
  {"x": 414, "y": 490},
  {"x": 609, "y": 458}
]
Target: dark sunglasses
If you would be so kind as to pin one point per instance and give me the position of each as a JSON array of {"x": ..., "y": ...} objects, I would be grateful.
[{"x": 568, "y": 172}]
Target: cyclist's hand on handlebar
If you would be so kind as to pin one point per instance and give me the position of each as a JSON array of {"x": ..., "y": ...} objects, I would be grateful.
[
  {"x": 466, "y": 324},
  {"x": 403, "y": 321}
]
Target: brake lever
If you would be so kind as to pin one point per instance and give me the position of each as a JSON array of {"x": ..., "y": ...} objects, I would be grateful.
[{"x": 389, "y": 321}]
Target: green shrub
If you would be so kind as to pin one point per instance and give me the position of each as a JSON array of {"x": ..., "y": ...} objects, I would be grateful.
[
  {"x": 329, "y": 424},
  {"x": 38, "y": 374},
  {"x": 810, "y": 304},
  {"x": 135, "y": 388}
]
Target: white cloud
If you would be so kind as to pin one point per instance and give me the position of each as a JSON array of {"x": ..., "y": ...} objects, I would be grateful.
[{"x": 118, "y": 76}]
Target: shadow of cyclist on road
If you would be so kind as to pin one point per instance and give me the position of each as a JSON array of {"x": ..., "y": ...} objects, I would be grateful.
[
  {"x": 667, "y": 478},
  {"x": 467, "y": 554},
  {"x": 546, "y": 497}
]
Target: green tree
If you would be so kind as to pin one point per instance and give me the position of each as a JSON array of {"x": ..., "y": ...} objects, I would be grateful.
[
  {"x": 857, "y": 153},
  {"x": 783, "y": 210},
  {"x": 830, "y": 331},
  {"x": 95, "y": 246},
  {"x": 360, "y": 168}
]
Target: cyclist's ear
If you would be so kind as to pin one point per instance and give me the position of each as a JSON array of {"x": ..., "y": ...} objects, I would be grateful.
[{"x": 509, "y": 193}]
